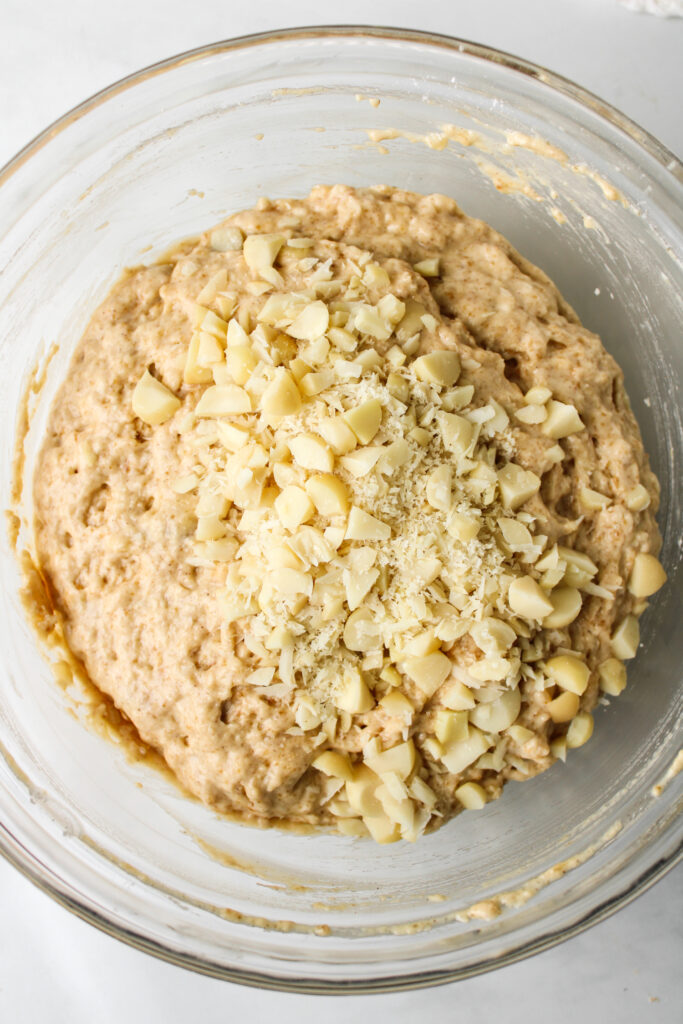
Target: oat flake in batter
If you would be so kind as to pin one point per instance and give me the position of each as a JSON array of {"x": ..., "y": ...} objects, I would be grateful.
[{"x": 348, "y": 513}]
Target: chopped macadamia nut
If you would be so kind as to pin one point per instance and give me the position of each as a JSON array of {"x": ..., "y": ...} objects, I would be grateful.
[
  {"x": 647, "y": 576},
  {"x": 152, "y": 401}
]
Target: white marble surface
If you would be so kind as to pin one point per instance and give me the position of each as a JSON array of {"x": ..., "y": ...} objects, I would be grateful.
[{"x": 55, "y": 968}]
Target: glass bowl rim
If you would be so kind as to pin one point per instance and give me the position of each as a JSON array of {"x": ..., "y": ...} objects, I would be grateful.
[{"x": 19, "y": 856}]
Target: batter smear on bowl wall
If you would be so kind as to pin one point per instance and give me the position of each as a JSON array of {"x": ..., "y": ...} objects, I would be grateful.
[{"x": 348, "y": 513}]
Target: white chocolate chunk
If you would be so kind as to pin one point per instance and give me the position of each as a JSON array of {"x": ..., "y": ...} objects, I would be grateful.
[
  {"x": 647, "y": 576},
  {"x": 152, "y": 402},
  {"x": 562, "y": 420},
  {"x": 441, "y": 367}
]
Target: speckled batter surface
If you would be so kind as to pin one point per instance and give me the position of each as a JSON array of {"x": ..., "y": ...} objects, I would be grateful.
[{"x": 113, "y": 537}]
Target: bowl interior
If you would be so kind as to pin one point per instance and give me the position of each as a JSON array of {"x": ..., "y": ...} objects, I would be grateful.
[{"x": 167, "y": 156}]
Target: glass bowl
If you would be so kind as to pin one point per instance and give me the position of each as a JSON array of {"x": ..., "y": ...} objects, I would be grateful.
[{"x": 166, "y": 153}]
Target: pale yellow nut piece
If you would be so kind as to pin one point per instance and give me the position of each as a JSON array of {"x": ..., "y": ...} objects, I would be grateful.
[
  {"x": 428, "y": 672},
  {"x": 423, "y": 793},
  {"x": 185, "y": 484},
  {"x": 517, "y": 485},
  {"x": 471, "y": 795},
  {"x": 580, "y": 730},
  {"x": 396, "y": 703},
  {"x": 311, "y": 323},
  {"x": 221, "y": 550},
  {"x": 515, "y": 534},
  {"x": 209, "y": 350},
  {"x": 353, "y": 695},
  {"x": 314, "y": 383},
  {"x": 638, "y": 498},
  {"x": 612, "y": 674},
  {"x": 460, "y": 755},
  {"x": 399, "y": 759},
  {"x": 593, "y": 501},
  {"x": 226, "y": 239},
  {"x": 531, "y": 414},
  {"x": 210, "y": 504},
  {"x": 363, "y": 526},
  {"x": 338, "y": 435},
  {"x": 463, "y": 527},
  {"x": 223, "y": 401},
  {"x": 329, "y": 494},
  {"x": 354, "y": 827},
  {"x": 527, "y": 599},
  {"x": 457, "y": 432},
  {"x": 562, "y": 420},
  {"x": 307, "y": 713},
  {"x": 457, "y": 696},
  {"x": 580, "y": 568},
  {"x": 375, "y": 276},
  {"x": 390, "y": 675},
  {"x": 450, "y": 726},
  {"x": 566, "y": 602},
  {"x": 361, "y": 791},
  {"x": 400, "y": 810},
  {"x": 260, "y": 252},
  {"x": 647, "y": 576},
  {"x": 394, "y": 456},
  {"x": 365, "y": 419},
  {"x": 209, "y": 321},
  {"x": 626, "y": 637},
  {"x": 361, "y": 631},
  {"x": 396, "y": 356},
  {"x": 293, "y": 507},
  {"x": 398, "y": 387},
  {"x": 420, "y": 435},
  {"x": 391, "y": 308},
  {"x": 193, "y": 373},
  {"x": 152, "y": 402},
  {"x": 411, "y": 323},
  {"x": 231, "y": 436},
  {"x": 281, "y": 397},
  {"x": 490, "y": 670},
  {"x": 368, "y": 320},
  {"x": 538, "y": 395},
  {"x": 558, "y": 748},
  {"x": 342, "y": 339},
  {"x": 210, "y": 527},
  {"x": 438, "y": 488},
  {"x": 424, "y": 643},
  {"x": 520, "y": 734},
  {"x": 280, "y": 637},
  {"x": 309, "y": 452},
  {"x": 241, "y": 363},
  {"x": 334, "y": 764},
  {"x": 316, "y": 352},
  {"x": 499, "y": 714},
  {"x": 564, "y": 707},
  {"x": 428, "y": 267},
  {"x": 381, "y": 828},
  {"x": 291, "y": 582},
  {"x": 358, "y": 585},
  {"x": 236, "y": 335},
  {"x": 226, "y": 305},
  {"x": 362, "y": 461},
  {"x": 568, "y": 672},
  {"x": 441, "y": 367}
]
